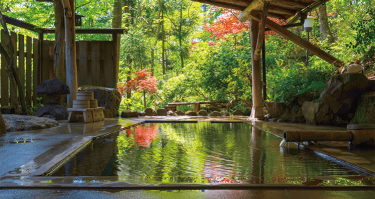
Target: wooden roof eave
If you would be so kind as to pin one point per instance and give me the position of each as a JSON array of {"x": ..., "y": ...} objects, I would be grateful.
[{"x": 91, "y": 31}]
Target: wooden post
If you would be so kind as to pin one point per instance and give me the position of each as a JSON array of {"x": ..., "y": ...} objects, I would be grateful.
[
  {"x": 40, "y": 50},
  {"x": 261, "y": 31},
  {"x": 70, "y": 46},
  {"x": 116, "y": 60},
  {"x": 257, "y": 109},
  {"x": 197, "y": 107},
  {"x": 264, "y": 70}
]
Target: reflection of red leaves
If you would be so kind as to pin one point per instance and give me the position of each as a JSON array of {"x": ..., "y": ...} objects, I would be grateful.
[{"x": 144, "y": 135}]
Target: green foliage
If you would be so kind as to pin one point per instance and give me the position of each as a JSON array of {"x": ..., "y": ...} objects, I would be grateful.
[
  {"x": 285, "y": 83},
  {"x": 37, "y": 106},
  {"x": 365, "y": 38}
]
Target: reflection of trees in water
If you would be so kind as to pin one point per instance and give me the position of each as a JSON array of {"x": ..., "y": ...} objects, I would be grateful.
[
  {"x": 205, "y": 152},
  {"x": 188, "y": 153}
]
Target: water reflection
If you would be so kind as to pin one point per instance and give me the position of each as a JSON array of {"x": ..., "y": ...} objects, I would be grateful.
[
  {"x": 200, "y": 153},
  {"x": 214, "y": 153}
]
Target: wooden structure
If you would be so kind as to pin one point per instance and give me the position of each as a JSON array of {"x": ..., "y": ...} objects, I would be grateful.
[
  {"x": 258, "y": 11},
  {"x": 98, "y": 61},
  {"x": 197, "y": 105},
  {"x": 28, "y": 55},
  {"x": 85, "y": 108}
]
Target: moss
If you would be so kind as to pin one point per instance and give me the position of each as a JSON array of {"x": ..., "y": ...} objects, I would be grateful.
[{"x": 365, "y": 103}]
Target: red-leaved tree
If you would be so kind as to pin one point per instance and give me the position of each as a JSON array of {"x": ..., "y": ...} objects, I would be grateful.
[
  {"x": 227, "y": 23},
  {"x": 142, "y": 82}
]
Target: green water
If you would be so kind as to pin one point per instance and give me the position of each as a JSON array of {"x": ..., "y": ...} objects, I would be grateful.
[{"x": 203, "y": 153}]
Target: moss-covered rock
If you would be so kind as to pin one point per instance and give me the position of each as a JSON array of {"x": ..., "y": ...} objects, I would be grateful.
[
  {"x": 25, "y": 122},
  {"x": 365, "y": 113}
]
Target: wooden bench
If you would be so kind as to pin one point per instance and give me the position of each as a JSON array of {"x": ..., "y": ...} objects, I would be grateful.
[
  {"x": 86, "y": 114},
  {"x": 197, "y": 105}
]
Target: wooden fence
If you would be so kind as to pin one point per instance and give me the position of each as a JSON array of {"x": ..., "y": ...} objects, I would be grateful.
[
  {"x": 95, "y": 63},
  {"x": 26, "y": 51}
]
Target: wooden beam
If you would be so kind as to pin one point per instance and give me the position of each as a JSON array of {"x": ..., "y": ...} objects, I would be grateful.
[
  {"x": 223, "y": 5},
  {"x": 245, "y": 14},
  {"x": 261, "y": 31},
  {"x": 21, "y": 24},
  {"x": 91, "y": 31},
  {"x": 279, "y": 10},
  {"x": 297, "y": 40},
  {"x": 290, "y": 3}
]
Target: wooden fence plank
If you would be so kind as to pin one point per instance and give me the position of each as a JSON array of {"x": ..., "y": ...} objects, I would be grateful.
[
  {"x": 108, "y": 64},
  {"x": 95, "y": 63},
  {"x": 21, "y": 61},
  {"x": 13, "y": 93},
  {"x": 28, "y": 70},
  {"x": 35, "y": 69},
  {"x": 4, "y": 74},
  {"x": 83, "y": 75},
  {"x": 45, "y": 69}
]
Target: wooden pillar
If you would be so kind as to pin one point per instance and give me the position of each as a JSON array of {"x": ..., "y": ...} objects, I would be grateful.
[
  {"x": 264, "y": 70},
  {"x": 40, "y": 50},
  {"x": 197, "y": 107},
  {"x": 70, "y": 53},
  {"x": 257, "y": 109},
  {"x": 116, "y": 54}
]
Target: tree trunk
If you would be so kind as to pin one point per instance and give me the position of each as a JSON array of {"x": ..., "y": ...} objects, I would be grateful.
[
  {"x": 163, "y": 35},
  {"x": 144, "y": 100},
  {"x": 324, "y": 25},
  {"x": 180, "y": 40},
  {"x": 59, "y": 49},
  {"x": 116, "y": 23}
]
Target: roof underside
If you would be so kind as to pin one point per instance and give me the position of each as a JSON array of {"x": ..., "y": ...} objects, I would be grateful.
[{"x": 281, "y": 9}]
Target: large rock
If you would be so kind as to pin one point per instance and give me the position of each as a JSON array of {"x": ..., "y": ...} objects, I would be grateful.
[
  {"x": 25, "y": 122},
  {"x": 180, "y": 113},
  {"x": 109, "y": 98},
  {"x": 57, "y": 111},
  {"x": 365, "y": 113},
  {"x": 237, "y": 112},
  {"x": 342, "y": 90},
  {"x": 191, "y": 113},
  {"x": 275, "y": 109},
  {"x": 149, "y": 111},
  {"x": 3, "y": 129},
  {"x": 162, "y": 112},
  {"x": 129, "y": 113},
  {"x": 203, "y": 113},
  {"x": 215, "y": 113},
  {"x": 52, "y": 87},
  {"x": 321, "y": 114}
]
